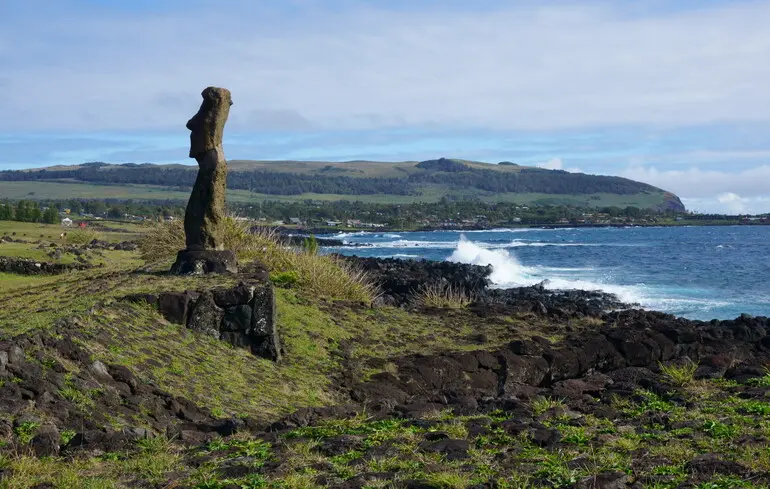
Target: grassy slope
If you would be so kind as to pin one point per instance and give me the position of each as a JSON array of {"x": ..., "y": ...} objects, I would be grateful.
[
  {"x": 324, "y": 340},
  {"x": 433, "y": 193},
  {"x": 65, "y": 189}
]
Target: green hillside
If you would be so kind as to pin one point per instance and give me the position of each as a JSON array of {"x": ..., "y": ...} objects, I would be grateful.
[{"x": 368, "y": 181}]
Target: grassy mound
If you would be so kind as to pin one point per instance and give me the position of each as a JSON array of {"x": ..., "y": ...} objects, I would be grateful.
[{"x": 318, "y": 275}]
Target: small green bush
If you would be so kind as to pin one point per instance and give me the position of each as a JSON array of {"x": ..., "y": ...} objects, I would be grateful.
[
  {"x": 284, "y": 279},
  {"x": 26, "y": 431},
  {"x": 680, "y": 375},
  {"x": 310, "y": 245},
  {"x": 81, "y": 236}
]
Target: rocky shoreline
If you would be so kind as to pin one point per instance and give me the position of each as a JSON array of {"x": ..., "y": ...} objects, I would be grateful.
[{"x": 399, "y": 280}]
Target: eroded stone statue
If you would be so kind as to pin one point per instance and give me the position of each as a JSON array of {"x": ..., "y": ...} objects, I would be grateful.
[{"x": 205, "y": 213}]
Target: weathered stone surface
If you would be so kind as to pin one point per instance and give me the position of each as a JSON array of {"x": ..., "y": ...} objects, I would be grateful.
[
  {"x": 237, "y": 318},
  {"x": 206, "y": 208},
  {"x": 46, "y": 442},
  {"x": 206, "y": 316},
  {"x": 207, "y": 126},
  {"x": 263, "y": 327},
  {"x": 174, "y": 306},
  {"x": 243, "y": 315},
  {"x": 16, "y": 355},
  {"x": 200, "y": 262},
  {"x": 241, "y": 294}
]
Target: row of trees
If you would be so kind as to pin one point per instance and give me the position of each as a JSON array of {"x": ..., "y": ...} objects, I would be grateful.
[
  {"x": 51, "y": 211},
  {"x": 397, "y": 215},
  {"x": 28, "y": 211},
  {"x": 411, "y": 215},
  {"x": 439, "y": 172}
]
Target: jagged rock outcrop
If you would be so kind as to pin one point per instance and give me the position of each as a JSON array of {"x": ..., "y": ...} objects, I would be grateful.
[
  {"x": 399, "y": 281},
  {"x": 621, "y": 355}
]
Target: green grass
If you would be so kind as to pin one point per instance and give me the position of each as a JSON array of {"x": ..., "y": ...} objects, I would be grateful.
[
  {"x": 316, "y": 334},
  {"x": 325, "y": 339},
  {"x": 429, "y": 193},
  {"x": 37, "y": 239}
]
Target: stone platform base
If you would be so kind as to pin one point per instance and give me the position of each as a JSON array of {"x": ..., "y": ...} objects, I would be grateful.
[
  {"x": 243, "y": 316},
  {"x": 200, "y": 262}
]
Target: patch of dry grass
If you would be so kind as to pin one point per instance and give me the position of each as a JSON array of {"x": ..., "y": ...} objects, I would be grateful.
[
  {"x": 442, "y": 296},
  {"x": 82, "y": 236}
]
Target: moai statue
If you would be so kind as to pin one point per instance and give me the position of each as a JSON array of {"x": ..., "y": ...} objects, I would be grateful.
[{"x": 205, "y": 213}]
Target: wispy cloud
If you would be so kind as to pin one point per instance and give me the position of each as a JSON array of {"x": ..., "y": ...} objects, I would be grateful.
[{"x": 509, "y": 65}]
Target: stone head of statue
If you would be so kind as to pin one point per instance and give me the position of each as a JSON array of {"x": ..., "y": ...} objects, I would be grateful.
[{"x": 206, "y": 127}]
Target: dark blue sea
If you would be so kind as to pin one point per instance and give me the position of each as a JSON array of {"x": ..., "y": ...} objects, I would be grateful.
[{"x": 696, "y": 272}]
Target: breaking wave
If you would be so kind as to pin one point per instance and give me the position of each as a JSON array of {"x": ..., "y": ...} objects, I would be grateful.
[{"x": 507, "y": 271}]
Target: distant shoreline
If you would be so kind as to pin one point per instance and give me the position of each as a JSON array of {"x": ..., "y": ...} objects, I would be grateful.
[{"x": 427, "y": 229}]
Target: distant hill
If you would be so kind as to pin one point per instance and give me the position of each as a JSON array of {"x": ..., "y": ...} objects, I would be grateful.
[{"x": 399, "y": 182}]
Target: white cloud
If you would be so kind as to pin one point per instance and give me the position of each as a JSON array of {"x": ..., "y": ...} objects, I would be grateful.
[
  {"x": 697, "y": 183},
  {"x": 552, "y": 164},
  {"x": 518, "y": 66},
  {"x": 729, "y": 203},
  {"x": 557, "y": 164},
  {"x": 712, "y": 190}
]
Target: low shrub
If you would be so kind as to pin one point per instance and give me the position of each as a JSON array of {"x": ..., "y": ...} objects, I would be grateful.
[{"x": 284, "y": 279}]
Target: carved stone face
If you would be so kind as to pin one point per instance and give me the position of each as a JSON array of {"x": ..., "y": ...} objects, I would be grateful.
[{"x": 208, "y": 124}]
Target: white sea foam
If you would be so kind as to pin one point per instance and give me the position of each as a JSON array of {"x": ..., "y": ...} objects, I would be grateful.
[
  {"x": 448, "y": 245},
  {"x": 507, "y": 271},
  {"x": 540, "y": 244},
  {"x": 351, "y": 234},
  {"x": 408, "y": 243}
]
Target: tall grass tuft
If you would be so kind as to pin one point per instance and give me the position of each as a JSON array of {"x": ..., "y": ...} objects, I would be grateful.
[
  {"x": 162, "y": 241},
  {"x": 81, "y": 236},
  {"x": 442, "y": 296},
  {"x": 319, "y": 275},
  {"x": 679, "y": 375}
]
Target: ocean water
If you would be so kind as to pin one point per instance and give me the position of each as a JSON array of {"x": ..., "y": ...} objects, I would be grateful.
[{"x": 695, "y": 272}]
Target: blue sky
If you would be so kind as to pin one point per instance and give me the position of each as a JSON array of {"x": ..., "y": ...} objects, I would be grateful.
[{"x": 671, "y": 93}]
